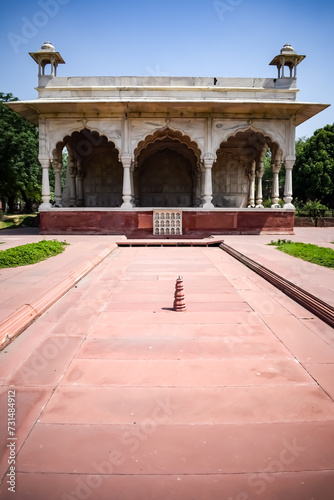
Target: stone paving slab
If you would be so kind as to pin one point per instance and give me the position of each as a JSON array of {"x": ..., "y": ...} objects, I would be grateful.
[
  {"x": 169, "y": 348},
  {"x": 97, "y": 486},
  {"x": 28, "y": 291},
  {"x": 179, "y": 449},
  {"x": 150, "y": 403},
  {"x": 315, "y": 279},
  {"x": 195, "y": 405},
  {"x": 175, "y": 331},
  {"x": 185, "y": 373}
]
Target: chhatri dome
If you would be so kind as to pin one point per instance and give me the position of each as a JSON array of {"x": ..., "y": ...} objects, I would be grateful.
[
  {"x": 47, "y": 46},
  {"x": 287, "y": 48}
]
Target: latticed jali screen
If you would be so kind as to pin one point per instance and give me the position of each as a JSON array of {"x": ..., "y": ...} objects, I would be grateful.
[{"x": 167, "y": 222}]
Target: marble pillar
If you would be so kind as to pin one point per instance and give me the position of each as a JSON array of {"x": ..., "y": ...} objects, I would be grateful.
[
  {"x": 275, "y": 185},
  {"x": 127, "y": 192},
  {"x": 259, "y": 195},
  {"x": 289, "y": 163},
  {"x": 252, "y": 175},
  {"x": 208, "y": 160},
  {"x": 45, "y": 163}
]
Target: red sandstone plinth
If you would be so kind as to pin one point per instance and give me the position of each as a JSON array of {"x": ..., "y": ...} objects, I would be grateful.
[{"x": 138, "y": 223}]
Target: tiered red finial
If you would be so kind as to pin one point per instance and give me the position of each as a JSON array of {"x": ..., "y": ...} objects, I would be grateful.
[{"x": 179, "y": 302}]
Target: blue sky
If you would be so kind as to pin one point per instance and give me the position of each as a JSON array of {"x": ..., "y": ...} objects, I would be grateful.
[{"x": 219, "y": 38}]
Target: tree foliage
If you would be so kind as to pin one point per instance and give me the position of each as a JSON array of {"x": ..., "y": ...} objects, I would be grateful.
[
  {"x": 20, "y": 171},
  {"x": 314, "y": 168}
]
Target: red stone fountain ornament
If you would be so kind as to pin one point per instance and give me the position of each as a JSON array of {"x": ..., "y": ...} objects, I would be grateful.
[{"x": 179, "y": 302}]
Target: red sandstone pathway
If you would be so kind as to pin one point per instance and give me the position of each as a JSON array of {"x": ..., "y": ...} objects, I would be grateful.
[
  {"x": 315, "y": 279},
  {"x": 120, "y": 398},
  {"x": 22, "y": 285}
]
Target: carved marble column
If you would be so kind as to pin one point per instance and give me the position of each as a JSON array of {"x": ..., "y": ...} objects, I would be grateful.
[
  {"x": 259, "y": 195},
  {"x": 289, "y": 163},
  {"x": 72, "y": 168},
  {"x": 57, "y": 168},
  {"x": 127, "y": 192},
  {"x": 209, "y": 158},
  {"x": 45, "y": 163},
  {"x": 275, "y": 186},
  {"x": 80, "y": 198},
  {"x": 252, "y": 175}
]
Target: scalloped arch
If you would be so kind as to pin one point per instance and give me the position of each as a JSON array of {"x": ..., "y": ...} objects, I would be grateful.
[
  {"x": 278, "y": 152},
  {"x": 165, "y": 132},
  {"x": 68, "y": 134}
]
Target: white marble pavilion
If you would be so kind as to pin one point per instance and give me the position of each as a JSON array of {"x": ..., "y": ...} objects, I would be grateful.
[{"x": 135, "y": 144}]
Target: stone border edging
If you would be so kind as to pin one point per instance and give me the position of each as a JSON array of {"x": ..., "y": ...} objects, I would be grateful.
[
  {"x": 317, "y": 306},
  {"x": 18, "y": 321}
]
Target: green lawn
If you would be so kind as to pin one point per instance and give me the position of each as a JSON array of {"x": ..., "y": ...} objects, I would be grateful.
[
  {"x": 31, "y": 253},
  {"x": 311, "y": 253},
  {"x": 18, "y": 220}
]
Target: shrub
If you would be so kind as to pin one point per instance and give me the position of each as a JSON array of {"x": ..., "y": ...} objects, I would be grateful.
[
  {"x": 312, "y": 209},
  {"x": 31, "y": 253}
]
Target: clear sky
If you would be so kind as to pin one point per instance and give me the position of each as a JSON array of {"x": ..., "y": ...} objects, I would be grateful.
[{"x": 218, "y": 38}]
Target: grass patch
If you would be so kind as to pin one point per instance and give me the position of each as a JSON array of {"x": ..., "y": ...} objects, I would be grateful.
[
  {"x": 311, "y": 253},
  {"x": 18, "y": 220},
  {"x": 31, "y": 253}
]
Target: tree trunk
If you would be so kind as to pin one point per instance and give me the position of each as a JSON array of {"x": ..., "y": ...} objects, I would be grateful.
[
  {"x": 27, "y": 202},
  {"x": 11, "y": 203}
]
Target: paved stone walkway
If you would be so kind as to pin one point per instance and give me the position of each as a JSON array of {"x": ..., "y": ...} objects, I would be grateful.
[
  {"x": 118, "y": 397},
  {"x": 311, "y": 277},
  {"x": 22, "y": 285}
]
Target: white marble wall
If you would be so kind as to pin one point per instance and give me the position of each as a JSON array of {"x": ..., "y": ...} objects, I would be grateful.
[{"x": 56, "y": 129}]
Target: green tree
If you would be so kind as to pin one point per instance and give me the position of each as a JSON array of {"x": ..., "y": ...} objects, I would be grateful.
[
  {"x": 20, "y": 171},
  {"x": 313, "y": 173}
]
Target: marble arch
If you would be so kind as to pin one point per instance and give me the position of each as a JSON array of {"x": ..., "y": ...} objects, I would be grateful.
[
  {"x": 249, "y": 146},
  {"x": 262, "y": 135},
  {"x": 94, "y": 173},
  {"x": 56, "y": 130},
  {"x": 167, "y": 132},
  {"x": 167, "y": 170}
]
